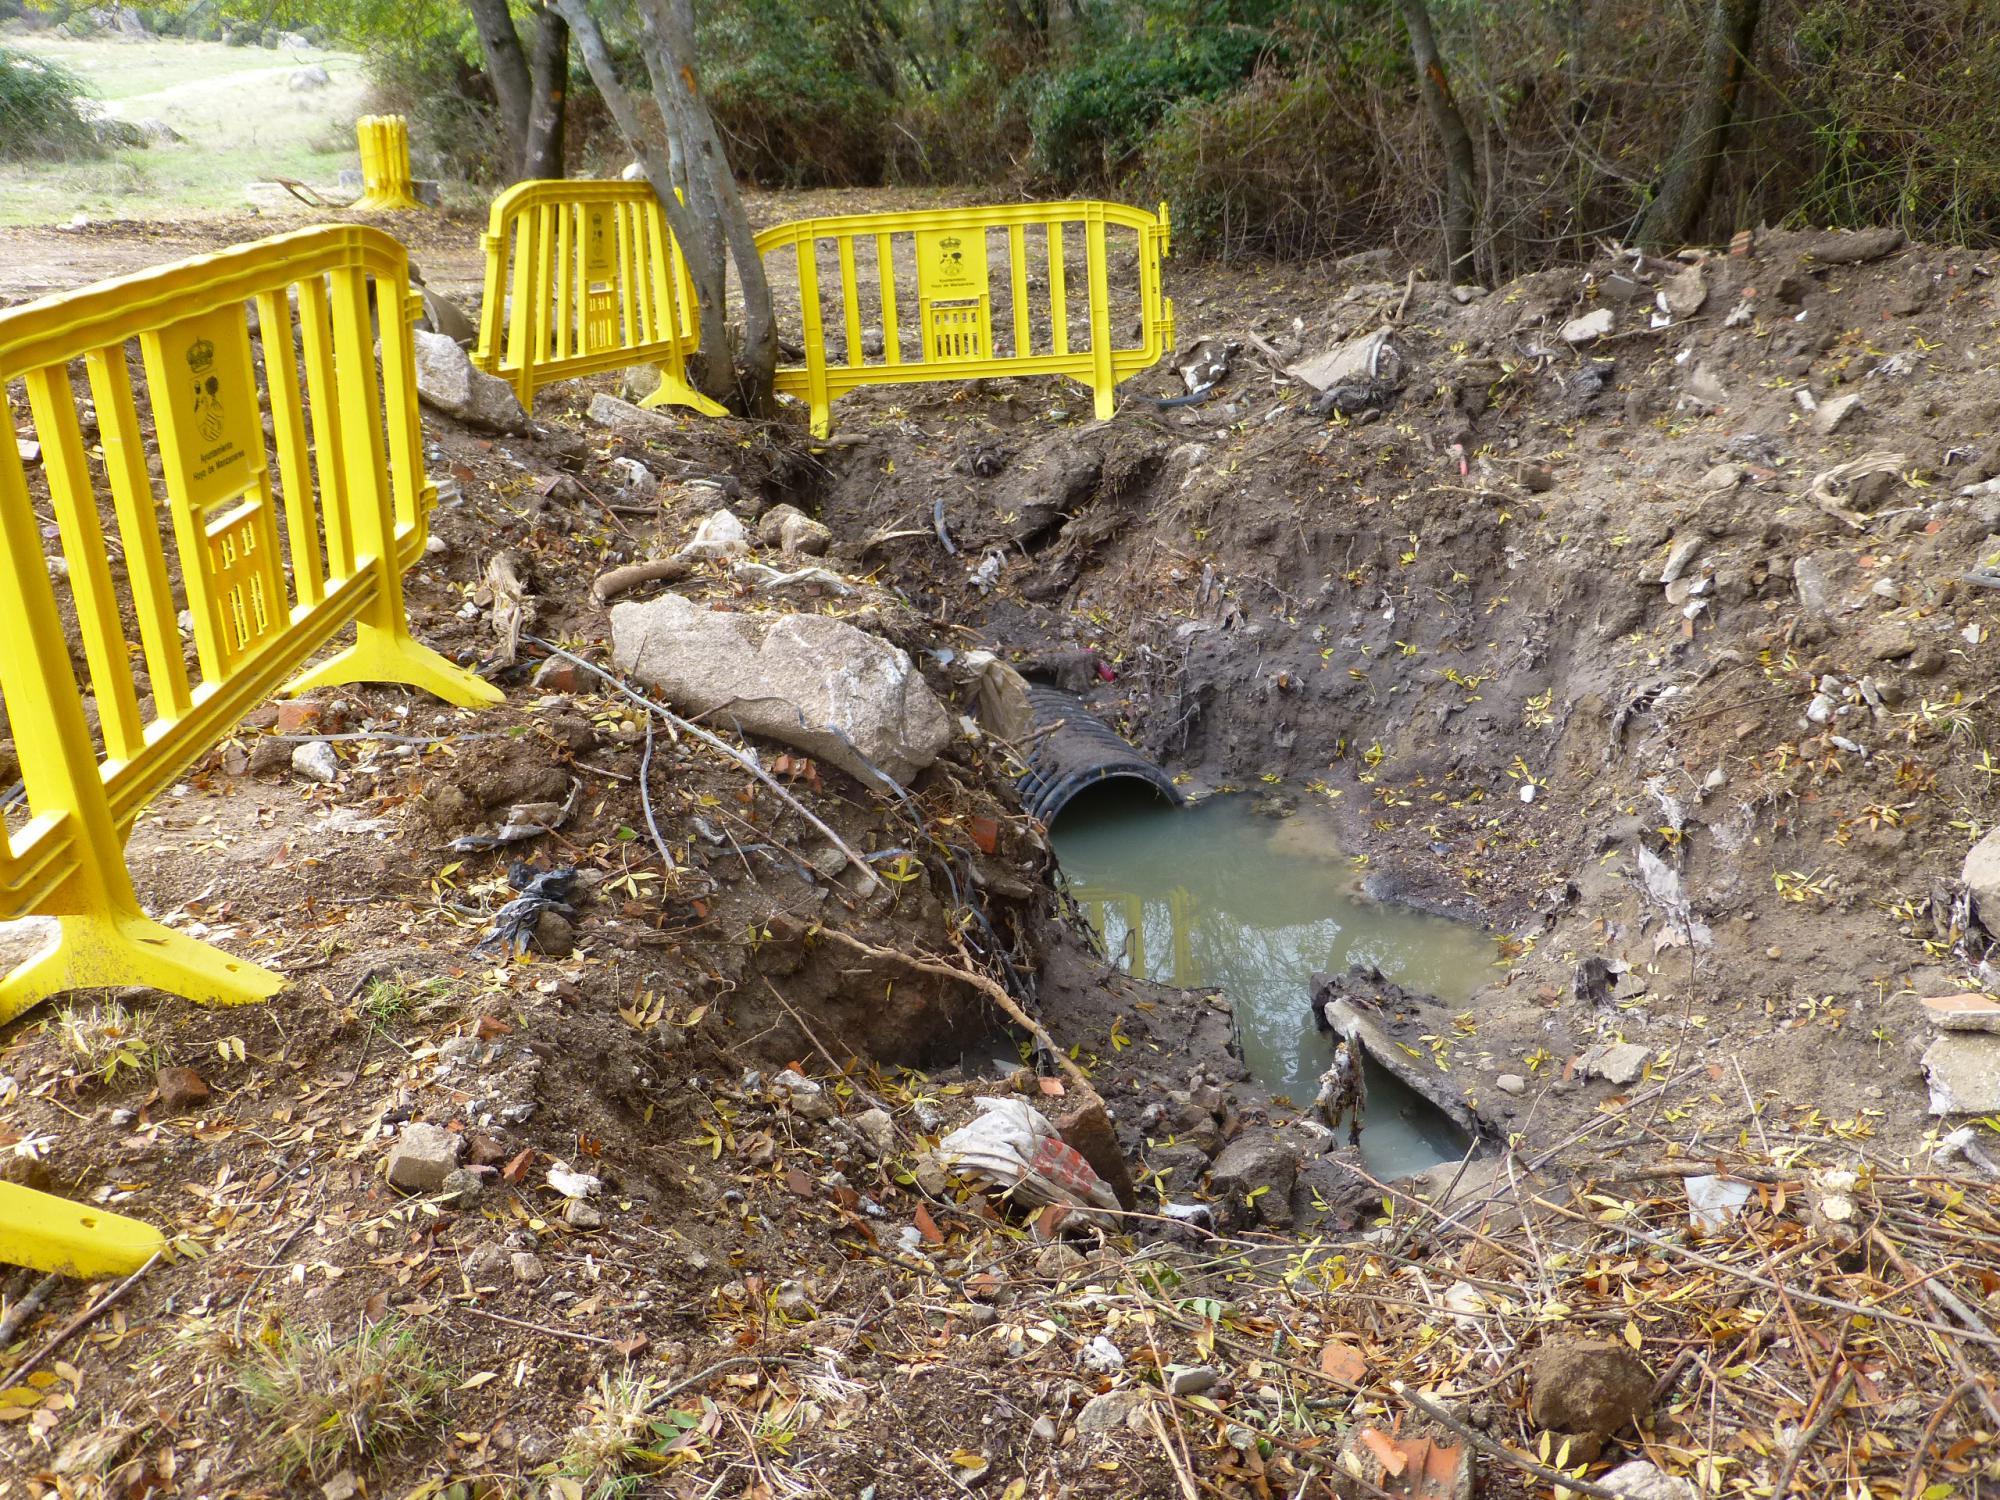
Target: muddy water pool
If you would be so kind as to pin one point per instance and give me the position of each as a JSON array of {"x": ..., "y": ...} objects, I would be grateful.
[{"x": 1223, "y": 895}]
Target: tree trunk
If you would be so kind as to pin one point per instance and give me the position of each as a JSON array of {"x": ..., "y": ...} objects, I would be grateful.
[
  {"x": 1461, "y": 181},
  {"x": 542, "y": 155},
  {"x": 711, "y": 225},
  {"x": 507, "y": 67},
  {"x": 1671, "y": 218}
]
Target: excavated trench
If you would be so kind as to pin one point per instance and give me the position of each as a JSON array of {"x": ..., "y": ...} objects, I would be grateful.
[{"x": 1252, "y": 900}]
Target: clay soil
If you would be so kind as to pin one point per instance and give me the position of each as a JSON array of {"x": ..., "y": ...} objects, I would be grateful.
[{"x": 1581, "y": 642}]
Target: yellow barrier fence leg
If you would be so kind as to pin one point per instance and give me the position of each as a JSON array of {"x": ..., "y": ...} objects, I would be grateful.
[
  {"x": 1103, "y": 379},
  {"x": 383, "y": 649},
  {"x": 675, "y": 391},
  {"x": 88, "y": 930},
  {"x": 122, "y": 946},
  {"x": 54, "y": 1234}
]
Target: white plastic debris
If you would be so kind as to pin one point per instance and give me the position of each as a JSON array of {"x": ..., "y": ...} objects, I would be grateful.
[
  {"x": 1101, "y": 1355},
  {"x": 573, "y": 1184},
  {"x": 1713, "y": 1201},
  {"x": 1013, "y": 1146}
]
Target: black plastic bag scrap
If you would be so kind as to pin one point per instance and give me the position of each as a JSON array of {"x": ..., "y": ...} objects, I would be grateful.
[{"x": 540, "y": 890}]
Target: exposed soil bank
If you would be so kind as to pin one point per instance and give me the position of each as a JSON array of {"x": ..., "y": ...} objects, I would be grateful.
[{"x": 1599, "y": 572}]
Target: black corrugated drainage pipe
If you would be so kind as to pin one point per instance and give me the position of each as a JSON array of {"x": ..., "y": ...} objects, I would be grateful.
[{"x": 1081, "y": 752}]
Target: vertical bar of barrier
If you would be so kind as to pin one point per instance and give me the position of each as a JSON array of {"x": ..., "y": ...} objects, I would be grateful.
[
  {"x": 818, "y": 402},
  {"x": 885, "y": 277},
  {"x": 568, "y": 273},
  {"x": 520, "y": 309},
  {"x": 288, "y": 430},
  {"x": 1103, "y": 383},
  {"x": 850, "y": 300},
  {"x": 1058, "y": 303},
  {"x": 322, "y": 387},
  {"x": 132, "y": 502},
  {"x": 52, "y": 404},
  {"x": 1017, "y": 280}
]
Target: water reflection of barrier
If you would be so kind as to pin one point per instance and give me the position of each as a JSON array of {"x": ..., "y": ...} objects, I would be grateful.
[
  {"x": 386, "y": 182},
  {"x": 959, "y": 333},
  {"x": 355, "y": 510},
  {"x": 583, "y": 277},
  {"x": 1097, "y": 904}
]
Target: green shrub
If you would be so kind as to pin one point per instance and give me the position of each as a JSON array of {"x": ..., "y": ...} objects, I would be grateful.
[
  {"x": 1090, "y": 119},
  {"x": 801, "y": 94},
  {"x": 41, "y": 110},
  {"x": 1286, "y": 166},
  {"x": 1899, "y": 102}
]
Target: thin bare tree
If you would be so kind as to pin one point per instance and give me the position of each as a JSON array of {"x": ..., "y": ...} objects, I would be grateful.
[
  {"x": 1461, "y": 179},
  {"x": 1676, "y": 210},
  {"x": 689, "y": 171}
]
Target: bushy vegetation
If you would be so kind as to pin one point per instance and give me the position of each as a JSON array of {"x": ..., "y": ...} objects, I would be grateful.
[{"x": 41, "y": 109}]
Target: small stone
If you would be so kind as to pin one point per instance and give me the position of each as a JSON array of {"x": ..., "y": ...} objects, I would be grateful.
[
  {"x": 1087, "y": 1129},
  {"x": 557, "y": 674},
  {"x": 448, "y": 381},
  {"x": 1191, "y": 1380},
  {"x": 423, "y": 1156},
  {"x": 1044, "y": 1429},
  {"x": 1831, "y": 413},
  {"x": 554, "y": 935},
  {"x": 1590, "y": 327},
  {"x": 527, "y": 1266},
  {"x": 1964, "y": 1072},
  {"x": 979, "y": 1315},
  {"x": 1059, "y": 1260},
  {"x": 1683, "y": 553},
  {"x": 1258, "y": 1170},
  {"x": 343, "y": 1486},
  {"x": 1108, "y": 1412},
  {"x": 462, "y": 1186},
  {"x": 1618, "y": 1063},
  {"x": 1103, "y": 1356},
  {"x": 180, "y": 1088},
  {"x": 580, "y": 1215},
  {"x": 487, "y": 1265},
  {"x": 300, "y": 715},
  {"x": 1587, "y": 1388},
  {"x": 1639, "y": 1480},
  {"x": 877, "y": 1129},
  {"x": 316, "y": 761},
  {"x": 1511, "y": 1083},
  {"x": 792, "y": 1299}
]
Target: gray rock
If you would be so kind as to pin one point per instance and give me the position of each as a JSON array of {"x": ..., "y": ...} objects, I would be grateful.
[
  {"x": 423, "y": 1157},
  {"x": 1590, "y": 327},
  {"x": 580, "y": 1215},
  {"x": 1964, "y": 1072},
  {"x": 1813, "y": 576},
  {"x": 1511, "y": 1083},
  {"x": 1683, "y": 553},
  {"x": 527, "y": 1266},
  {"x": 1258, "y": 1169},
  {"x": 302, "y": 80},
  {"x": 447, "y": 380},
  {"x": 1829, "y": 414},
  {"x": 629, "y": 421},
  {"x": 448, "y": 318},
  {"x": 462, "y": 1187},
  {"x": 793, "y": 531},
  {"x": 1615, "y": 1062},
  {"x": 1981, "y": 875},
  {"x": 1109, "y": 1412},
  {"x": 808, "y": 681},
  {"x": 316, "y": 761},
  {"x": 877, "y": 1129},
  {"x": 1191, "y": 1380}
]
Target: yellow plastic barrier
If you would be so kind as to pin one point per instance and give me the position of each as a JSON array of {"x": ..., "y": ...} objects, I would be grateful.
[
  {"x": 386, "y": 183},
  {"x": 959, "y": 334},
  {"x": 355, "y": 510},
  {"x": 54, "y": 1234},
  {"x": 583, "y": 277}
]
